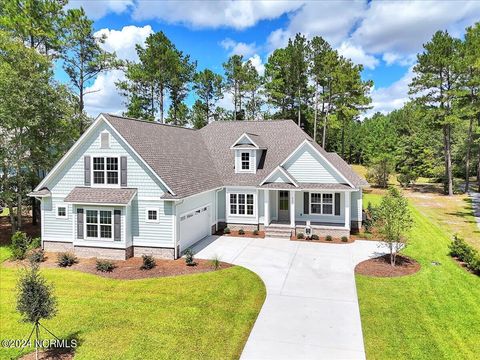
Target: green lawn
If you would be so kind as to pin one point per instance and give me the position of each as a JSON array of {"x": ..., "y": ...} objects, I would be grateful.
[
  {"x": 434, "y": 314},
  {"x": 206, "y": 316},
  {"x": 5, "y": 212}
]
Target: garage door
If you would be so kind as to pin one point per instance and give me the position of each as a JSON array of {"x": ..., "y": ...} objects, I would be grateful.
[{"x": 194, "y": 226}]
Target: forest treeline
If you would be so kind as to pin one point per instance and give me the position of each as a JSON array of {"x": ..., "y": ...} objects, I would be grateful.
[{"x": 434, "y": 135}]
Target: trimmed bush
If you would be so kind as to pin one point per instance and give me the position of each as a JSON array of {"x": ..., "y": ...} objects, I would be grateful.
[
  {"x": 66, "y": 259},
  {"x": 189, "y": 260},
  {"x": 255, "y": 232},
  {"x": 226, "y": 230},
  {"x": 328, "y": 238},
  {"x": 466, "y": 253},
  {"x": 36, "y": 243},
  {"x": 148, "y": 262},
  {"x": 344, "y": 239},
  {"x": 37, "y": 256},
  {"x": 315, "y": 237},
  {"x": 300, "y": 236},
  {"x": 241, "y": 232},
  {"x": 215, "y": 263},
  {"x": 105, "y": 266},
  {"x": 19, "y": 245}
]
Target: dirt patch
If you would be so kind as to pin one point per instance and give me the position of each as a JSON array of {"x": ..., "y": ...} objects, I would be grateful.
[
  {"x": 248, "y": 234},
  {"x": 130, "y": 269},
  {"x": 52, "y": 354},
  {"x": 380, "y": 267},
  {"x": 27, "y": 226}
]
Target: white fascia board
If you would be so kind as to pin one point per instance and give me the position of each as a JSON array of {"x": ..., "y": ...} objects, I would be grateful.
[
  {"x": 306, "y": 141},
  {"x": 279, "y": 168},
  {"x": 241, "y": 136}
]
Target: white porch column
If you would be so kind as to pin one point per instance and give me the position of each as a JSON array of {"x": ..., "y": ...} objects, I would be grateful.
[
  {"x": 266, "y": 207},
  {"x": 292, "y": 209},
  {"x": 348, "y": 196}
]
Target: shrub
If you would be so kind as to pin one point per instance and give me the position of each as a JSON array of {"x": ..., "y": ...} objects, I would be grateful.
[
  {"x": 406, "y": 177},
  {"x": 189, "y": 260},
  {"x": 148, "y": 262},
  {"x": 344, "y": 239},
  {"x": 66, "y": 259},
  {"x": 328, "y": 238},
  {"x": 466, "y": 253},
  {"x": 37, "y": 256},
  {"x": 36, "y": 243},
  {"x": 226, "y": 230},
  {"x": 300, "y": 236},
  {"x": 371, "y": 216},
  {"x": 315, "y": 237},
  {"x": 105, "y": 266},
  {"x": 255, "y": 232},
  {"x": 379, "y": 171},
  {"x": 241, "y": 232},
  {"x": 19, "y": 245},
  {"x": 215, "y": 263}
]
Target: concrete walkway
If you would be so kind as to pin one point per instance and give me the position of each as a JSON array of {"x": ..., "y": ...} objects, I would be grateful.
[{"x": 311, "y": 309}]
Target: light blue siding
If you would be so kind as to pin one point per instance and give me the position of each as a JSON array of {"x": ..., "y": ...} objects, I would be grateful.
[
  {"x": 56, "y": 229},
  {"x": 300, "y": 216},
  {"x": 278, "y": 177},
  {"x": 159, "y": 234},
  {"x": 221, "y": 205},
  {"x": 309, "y": 167},
  {"x": 356, "y": 206}
]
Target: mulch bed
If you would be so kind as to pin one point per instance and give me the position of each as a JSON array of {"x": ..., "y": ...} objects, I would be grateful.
[
  {"x": 5, "y": 228},
  {"x": 249, "y": 234},
  {"x": 323, "y": 241},
  {"x": 130, "y": 269},
  {"x": 380, "y": 267}
]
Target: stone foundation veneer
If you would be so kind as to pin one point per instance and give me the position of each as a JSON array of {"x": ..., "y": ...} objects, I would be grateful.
[
  {"x": 160, "y": 253},
  {"x": 103, "y": 253},
  {"x": 246, "y": 227},
  {"x": 57, "y": 246}
]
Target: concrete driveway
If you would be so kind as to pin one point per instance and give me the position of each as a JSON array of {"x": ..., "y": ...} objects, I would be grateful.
[{"x": 311, "y": 309}]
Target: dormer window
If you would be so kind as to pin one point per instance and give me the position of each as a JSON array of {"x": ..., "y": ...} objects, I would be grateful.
[{"x": 245, "y": 161}]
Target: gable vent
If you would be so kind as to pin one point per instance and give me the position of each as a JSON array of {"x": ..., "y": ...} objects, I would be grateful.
[{"x": 105, "y": 140}]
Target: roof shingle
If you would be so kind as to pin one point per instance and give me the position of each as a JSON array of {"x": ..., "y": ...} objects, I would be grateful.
[{"x": 89, "y": 195}]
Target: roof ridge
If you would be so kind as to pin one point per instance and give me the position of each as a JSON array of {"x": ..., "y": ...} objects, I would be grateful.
[{"x": 147, "y": 121}]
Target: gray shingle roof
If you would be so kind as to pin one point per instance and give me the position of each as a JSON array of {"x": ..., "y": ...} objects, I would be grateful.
[
  {"x": 43, "y": 192},
  {"x": 307, "y": 186},
  {"x": 192, "y": 161},
  {"x": 91, "y": 195}
]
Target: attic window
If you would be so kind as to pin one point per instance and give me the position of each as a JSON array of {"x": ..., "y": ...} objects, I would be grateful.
[
  {"x": 245, "y": 161},
  {"x": 105, "y": 140}
]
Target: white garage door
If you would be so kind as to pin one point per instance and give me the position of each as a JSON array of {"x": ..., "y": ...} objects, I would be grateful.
[{"x": 194, "y": 226}]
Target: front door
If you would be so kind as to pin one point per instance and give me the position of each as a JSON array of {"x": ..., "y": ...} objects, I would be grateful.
[{"x": 283, "y": 213}]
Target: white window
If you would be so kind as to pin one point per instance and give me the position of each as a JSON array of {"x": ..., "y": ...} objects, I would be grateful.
[
  {"x": 245, "y": 156},
  {"x": 152, "y": 215},
  {"x": 99, "y": 224},
  {"x": 62, "y": 212},
  {"x": 241, "y": 204},
  {"x": 321, "y": 203},
  {"x": 105, "y": 170}
]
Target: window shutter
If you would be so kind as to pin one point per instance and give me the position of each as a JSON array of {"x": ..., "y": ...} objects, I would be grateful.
[
  {"x": 123, "y": 171},
  {"x": 79, "y": 223},
  {"x": 337, "y": 203},
  {"x": 86, "y": 168},
  {"x": 104, "y": 140},
  {"x": 306, "y": 203},
  {"x": 116, "y": 225}
]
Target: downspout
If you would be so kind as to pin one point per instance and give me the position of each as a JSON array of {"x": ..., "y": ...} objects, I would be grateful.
[{"x": 175, "y": 229}]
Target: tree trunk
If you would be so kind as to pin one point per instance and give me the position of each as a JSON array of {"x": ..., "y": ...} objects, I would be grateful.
[
  {"x": 235, "y": 99},
  {"x": 161, "y": 104},
  {"x": 315, "y": 116},
  {"x": 299, "y": 107},
  {"x": 13, "y": 222},
  {"x": 343, "y": 137},
  {"x": 467, "y": 160},
  {"x": 448, "y": 159}
]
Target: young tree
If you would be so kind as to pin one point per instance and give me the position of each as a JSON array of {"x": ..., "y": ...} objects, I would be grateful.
[
  {"x": 83, "y": 57},
  {"x": 35, "y": 300},
  {"x": 208, "y": 87},
  {"x": 435, "y": 83},
  {"x": 394, "y": 221}
]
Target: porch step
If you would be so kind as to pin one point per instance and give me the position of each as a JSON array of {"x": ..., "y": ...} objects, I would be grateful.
[{"x": 278, "y": 232}]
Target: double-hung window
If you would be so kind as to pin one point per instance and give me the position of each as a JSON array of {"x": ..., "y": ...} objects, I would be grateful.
[
  {"x": 321, "y": 203},
  {"x": 105, "y": 170},
  {"x": 245, "y": 156},
  {"x": 99, "y": 224},
  {"x": 241, "y": 204}
]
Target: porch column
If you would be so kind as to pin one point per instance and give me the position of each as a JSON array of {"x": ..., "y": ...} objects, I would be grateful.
[
  {"x": 266, "y": 207},
  {"x": 347, "y": 195},
  {"x": 292, "y": 209}
]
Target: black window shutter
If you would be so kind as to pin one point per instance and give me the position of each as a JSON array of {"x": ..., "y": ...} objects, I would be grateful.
[
  {"x": 116, "y": 225},
  {"x": 79, "y": 223},
  {"x": 86, "y": 168},
  {"x": 123, "y": 171},
  {"x": 306, "y": 203},
  {"x": 337, "y": 203}
]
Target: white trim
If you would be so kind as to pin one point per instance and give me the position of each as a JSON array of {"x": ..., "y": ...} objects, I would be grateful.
[
  {"x": 283, "y": 171},
  {"x": 189, "y": 196},
  {"x": 105, "y": 171},
  {"x": 59, "y": 205},
  {"x": 308, "y": 142},
  {"x": 248, "y": 137},
  {"x": 245, "y": 204},
  {"x": 96, "y": 204},
  {"x": 157, "y": 210},
  {"x": 321, "y": 204},
  {"x": 99, "y": 238}
]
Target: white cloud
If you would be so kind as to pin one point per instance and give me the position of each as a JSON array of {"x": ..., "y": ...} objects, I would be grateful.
[
  {"x": 394, "y": 58},
  {"x": 357, "y": 55},
  {"x": 212, "y": 14},
  {"x": 123, "y": 41},
  {"x": 97, "y": 9},
  {"x": 392, "y": 97},
  {"x": 238, "y": 48},
  {"x": 258, "y": 64}
]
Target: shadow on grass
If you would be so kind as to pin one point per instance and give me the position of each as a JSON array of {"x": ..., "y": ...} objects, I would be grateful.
[{"x": 60, "y": 349}]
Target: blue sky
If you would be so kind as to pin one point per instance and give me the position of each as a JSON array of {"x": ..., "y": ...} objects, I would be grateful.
[{"x": 384, "y": 36}]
